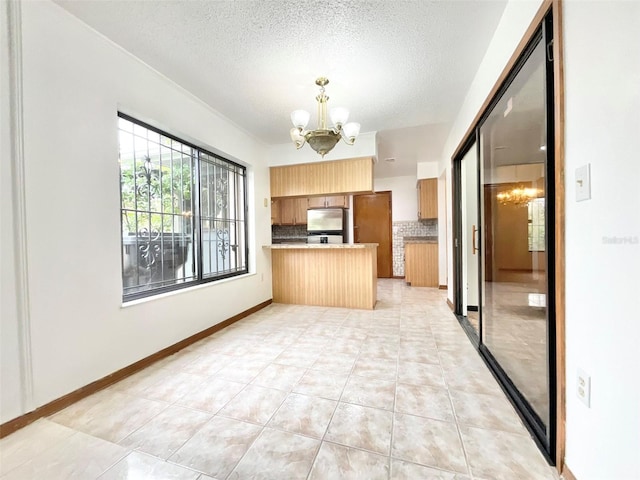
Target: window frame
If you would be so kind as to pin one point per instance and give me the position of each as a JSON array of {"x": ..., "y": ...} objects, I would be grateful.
[{"x": 197, "y": 248}]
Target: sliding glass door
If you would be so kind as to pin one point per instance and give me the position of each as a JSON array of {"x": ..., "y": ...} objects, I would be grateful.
[{"x": 505, "y": 236}]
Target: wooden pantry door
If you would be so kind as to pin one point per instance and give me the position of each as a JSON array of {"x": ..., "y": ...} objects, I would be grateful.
[{"x": 372, "y": 224}]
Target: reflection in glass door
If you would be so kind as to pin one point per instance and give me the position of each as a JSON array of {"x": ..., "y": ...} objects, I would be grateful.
[{"x": 513, "y": 174}]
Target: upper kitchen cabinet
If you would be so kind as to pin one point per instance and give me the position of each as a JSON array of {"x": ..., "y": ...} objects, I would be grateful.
[
  {"x": 427, "y": 198},
  {"x": 275, "y": 212},
  {"x": 290, "y": 211},
  {"x": 336, "y": 201},
  {"x": 354, "y": 175}
]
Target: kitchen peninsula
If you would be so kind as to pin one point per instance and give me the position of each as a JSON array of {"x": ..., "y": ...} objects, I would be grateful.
[{"x": 332, "y": 275}]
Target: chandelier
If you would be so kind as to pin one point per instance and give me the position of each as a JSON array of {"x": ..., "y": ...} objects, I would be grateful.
[
  {"x": 323, "y": 139},
  {"x": 519, "y": 196}
]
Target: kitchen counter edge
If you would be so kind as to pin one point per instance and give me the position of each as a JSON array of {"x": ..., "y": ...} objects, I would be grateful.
[{"x": 420, "y": 239}]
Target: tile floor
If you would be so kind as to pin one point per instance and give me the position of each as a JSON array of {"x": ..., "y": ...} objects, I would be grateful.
[{"x": 297, "y": 392}]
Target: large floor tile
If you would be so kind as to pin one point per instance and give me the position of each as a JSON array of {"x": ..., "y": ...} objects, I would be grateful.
[
  {"x": 361, "y": 427},
  {"x": 376, "y": 367},
  {"x": 337, "y": 363},
  {"x": 369, "y": 392},
  {"x": 337, "y": 462},
  {"x": 141, "y": 466},
  {"x": 79, "y": 456},
  {"x": 304, "y": 415},
  {"x": 424, "y": 401},
  {"x": 486, "y": 411},
  {"x": 416, "y": 373},
  {"x": 410, "y": 471},
  {"x": 166, "y": 432},
  {"x": 254, "y": 404},
  {"x": 277, "y": 455},
  {"x": 211, "y": 396},
  {"x": 281, "y": 377},
  {"x": 27, "y": 443},
  {"x": 428, "y": 442},
  {"x": 500, "y": 455},
  {"x": 242, "y": 370},
  {"x": 217, "y": 447},
  {"x": 321, "y": 384},
  {"x": 113, "y": 418},
  {"x": 173, "y": 388}
]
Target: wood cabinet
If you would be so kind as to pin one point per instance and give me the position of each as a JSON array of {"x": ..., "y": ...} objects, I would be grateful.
[
  {"x": 427, "y": 198},
  {"x": 275, "y": 212},
  {"x": 334, "y": 201},
  {"x": 421, "y": 264},
  {"x": 289, "y": 211},
  {"x": 354, "y": 175}
]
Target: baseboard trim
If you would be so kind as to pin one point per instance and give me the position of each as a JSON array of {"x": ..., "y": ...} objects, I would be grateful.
[
  {"x": 398, "y": 277},
  {"x": 442, "y": 287},
  {"x": 450, "y": 303},
  {"x": 567, "y": 474},
  {"x": 82, "y": 392}
]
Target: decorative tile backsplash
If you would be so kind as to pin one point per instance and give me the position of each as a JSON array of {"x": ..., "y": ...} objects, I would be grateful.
[
  {"x": 414, "y": 228},
  {"x": 288, "y": 231}
]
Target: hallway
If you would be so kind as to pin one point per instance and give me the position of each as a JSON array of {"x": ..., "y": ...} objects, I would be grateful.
[{"x": 297, "y": 392}]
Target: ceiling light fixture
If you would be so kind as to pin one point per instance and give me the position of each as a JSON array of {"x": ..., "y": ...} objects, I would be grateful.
[
  {"x": 323, "y": 139},
  {"x": 519, "y": 196}
]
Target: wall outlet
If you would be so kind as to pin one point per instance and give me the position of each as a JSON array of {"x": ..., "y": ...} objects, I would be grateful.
[{"x": 583, "y": 387}]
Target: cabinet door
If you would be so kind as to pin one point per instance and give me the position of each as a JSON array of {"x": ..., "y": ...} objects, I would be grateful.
[
  {"x": 428, "y": 198},
  {"x": 300, "y": 208},
  {"x": 287, "y": 211},
  {"x": 338, "y": 201},
  {"x": 316, "y": 202},
  {"x": 421, "y": 264},
  {"x": 275, "y": 212}
]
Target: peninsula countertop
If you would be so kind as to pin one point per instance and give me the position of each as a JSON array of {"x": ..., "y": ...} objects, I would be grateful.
[
  {"x": 309, "y": 246},
  {"x": 425, "y": 239}
]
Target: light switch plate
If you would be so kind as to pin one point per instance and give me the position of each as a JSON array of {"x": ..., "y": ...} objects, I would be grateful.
[{"x": 583, "y": 183}]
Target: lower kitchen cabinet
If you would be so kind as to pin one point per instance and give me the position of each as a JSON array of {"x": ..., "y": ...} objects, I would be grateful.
[{"x": 421, "y": 264}]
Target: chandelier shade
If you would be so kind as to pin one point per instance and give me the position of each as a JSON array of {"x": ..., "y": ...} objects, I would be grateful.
[
  {"x": 519, "y": 196},
  {"x": 323, "y": 138}
]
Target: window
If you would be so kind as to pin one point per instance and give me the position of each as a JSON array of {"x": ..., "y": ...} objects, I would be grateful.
[
  {"x": 182, "y": 212},
  {"x": 536, "y": 225}
]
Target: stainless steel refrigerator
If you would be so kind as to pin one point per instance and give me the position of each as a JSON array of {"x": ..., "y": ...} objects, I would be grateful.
[{"x": 327, "y": 225}]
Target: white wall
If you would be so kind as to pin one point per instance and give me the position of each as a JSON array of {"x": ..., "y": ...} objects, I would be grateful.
[
  {"x": 75, "y": 81},
  {"x": 515, "y": 20},
  {"x": 427, "y": 169},
  {"x": 404, "y": 196},
  {"x": 602, "y": 87},
  {"x": 10, "y": 372}
]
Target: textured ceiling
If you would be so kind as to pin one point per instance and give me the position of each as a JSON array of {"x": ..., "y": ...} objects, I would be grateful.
[{"x": 394, "y": 64}]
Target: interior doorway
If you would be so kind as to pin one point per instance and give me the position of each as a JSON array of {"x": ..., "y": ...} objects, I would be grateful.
[{"x": 372, "y": 224}]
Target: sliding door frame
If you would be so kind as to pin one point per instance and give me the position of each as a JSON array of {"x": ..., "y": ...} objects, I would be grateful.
[{"x": 544, "y": 24}]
